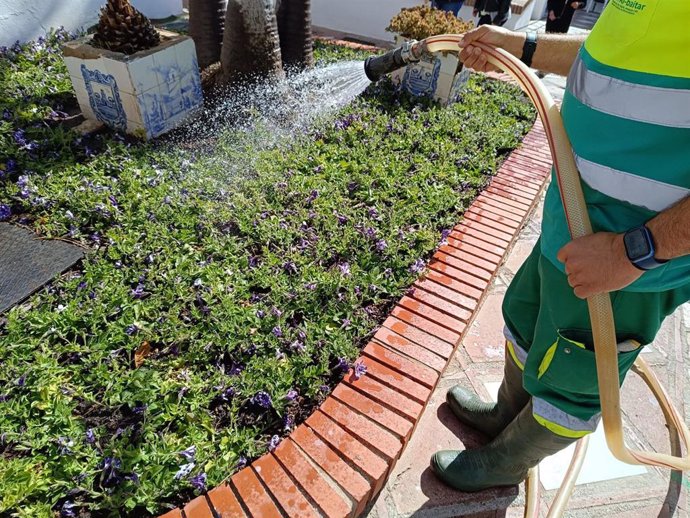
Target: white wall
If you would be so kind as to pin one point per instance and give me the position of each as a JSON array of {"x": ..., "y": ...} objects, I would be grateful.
[
  {"x": 365, "y": 19},
  {"x": 25, "y": 20}
]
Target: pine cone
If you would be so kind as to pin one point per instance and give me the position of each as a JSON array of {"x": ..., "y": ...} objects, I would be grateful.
[{"x": 122, "y": 28}]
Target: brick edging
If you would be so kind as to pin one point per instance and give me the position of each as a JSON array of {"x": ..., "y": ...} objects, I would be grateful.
[{"x": 336, "y": 462}]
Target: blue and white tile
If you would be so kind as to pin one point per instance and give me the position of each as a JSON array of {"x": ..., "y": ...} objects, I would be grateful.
[
  {"x": 449, "y": 63},
  {"x": 443, "y": 87},
  {"x": 120, "y": 71},
  {"x": 73, "y": 66},
  {"x": 165, "y": 65},
  {"x": 131, "y": 105},
  {"x": 186, "y": 55},
  {"x": 83, "y": 100},
  {"x": 143, "y": 75}
]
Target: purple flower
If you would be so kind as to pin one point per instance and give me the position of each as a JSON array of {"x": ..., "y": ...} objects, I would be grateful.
[
  {"x": 273, "y": 443},
  {"x": 342, "y": 364},
  {"x": 131, "y": 329},
  {"x": 288, "y": 422},
  {"x": 5, "y": 212},
  {"x": 417, "y": 267},
  {"x": 198, "y": 482},
  {"x": 21, "y": 381},
  {"x": 291, "y": 395},
  {"x": 67, "y": 510},
  {"x": 445, "y": 233},
  {"x": 96, "y": 238},
  {"x": 189, "y": 453},
  {"x": 311, "y": 286},
  {"x": 373, "y": 213},
  {"x": 20, "y": 137},
  {"x": 346, "y": 323},
  {"x": 290, "y": 268},
  {"x": 64, "y": 445},
  {"x": 4, "y": 397},
  {"x": 90, "y": 436},
  {"x": 23, "y": 181},
  {"x": 325, "y": 388},
  {"x": 262, "y": 399},
  {"x": 381, "y": 245},
  {"x": 149, "y": 259},
  {"x": 138, "y": 292},
  {"x": 276, "y": 312},
  {"x": 312, "y": 196},
  {"x": 277, "y": 332},
  {"x": 344, "y": 268},
  {"x": 297, "y": 346},
  {"x": 184, "y": 470},
  {"x": 260, "y": 313},
  {"x": 228, "y": 394},
  {"x": 6, "y": 114},
  {"x": 360, "y": 369},
  {"x": 241, "y": 462},
  {"x": 110, "y": 472},
  {"x": 341, "y": 219}
]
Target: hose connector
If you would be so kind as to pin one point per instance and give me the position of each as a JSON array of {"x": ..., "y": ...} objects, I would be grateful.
[{"x": 376, "y": 67}]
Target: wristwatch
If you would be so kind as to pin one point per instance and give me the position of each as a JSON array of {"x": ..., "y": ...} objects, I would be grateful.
[
  {"x": 639, "y": 247},
  {"x": 528, "y": 48}
]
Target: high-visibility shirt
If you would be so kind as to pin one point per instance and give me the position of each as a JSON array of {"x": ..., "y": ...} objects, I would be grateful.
[{"x": 626, "y": 110}]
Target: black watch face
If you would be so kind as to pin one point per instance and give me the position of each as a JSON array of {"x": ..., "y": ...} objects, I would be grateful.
[{"x": 636, "y": 244}]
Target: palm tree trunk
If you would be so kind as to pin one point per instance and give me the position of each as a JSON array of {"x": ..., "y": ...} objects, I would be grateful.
[
  {"x": 206, "y": 23},
  {"x": 294, "y": 27},
  {"x": 250, "y": 42}
]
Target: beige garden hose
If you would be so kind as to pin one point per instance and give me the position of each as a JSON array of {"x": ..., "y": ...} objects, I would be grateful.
[{"x": 600, "y": 310}]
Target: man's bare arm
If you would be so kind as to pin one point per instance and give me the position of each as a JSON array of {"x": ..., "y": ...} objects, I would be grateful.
[
  {"x": 555, "y": 53},
  {"x": 671, "y": 231}
]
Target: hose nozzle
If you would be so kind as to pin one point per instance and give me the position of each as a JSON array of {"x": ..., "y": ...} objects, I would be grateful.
[{"x": 376, "y": 67}]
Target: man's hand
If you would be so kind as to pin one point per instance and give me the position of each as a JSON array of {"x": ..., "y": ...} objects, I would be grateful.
[
  {"x": 473, "y": 57},
  {"x": 552, "y": 15},
  {"x": 597, "y": 263}
]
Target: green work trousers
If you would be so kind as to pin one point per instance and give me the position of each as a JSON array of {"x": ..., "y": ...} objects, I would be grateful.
[{"x": 549, "y": 336}]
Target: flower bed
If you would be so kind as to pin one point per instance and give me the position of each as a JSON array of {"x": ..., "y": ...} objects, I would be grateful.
[{"x": 205, "y": 323}]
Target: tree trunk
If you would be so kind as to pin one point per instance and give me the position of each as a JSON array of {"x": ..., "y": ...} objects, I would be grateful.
[
  {"x": 206, "y": 23},
  {"x": 250, "y": 41},
  {"x": 294, "y": 27}
]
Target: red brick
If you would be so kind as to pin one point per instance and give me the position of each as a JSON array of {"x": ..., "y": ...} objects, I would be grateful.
[
  {"x": 507, "y": 198},
  {"x": 254, "y": 495},
  {"x": 517, "y": 186},
  {"x": 442, "y": 272},
  {"x": 494, "y": 202},
  {"x": 495, "y": 230},
  {"x": 282, "y": 488},
  {"x": 427, "y": 325},
  {"x": 397, "y": 381},
  {"x": 367, "y": 462},
  {"x": 349, "y": 479},
  {"x": 198, "y": 508},
  {"x": 527, "y": 167},
  {"x": 175, "y": 513},
  {"x": 367, "y": 431},
  {"x": 433, "y": 284},
  {"x": 487, "y": 205},
  {"x": 488, "y": 251},
  {"x": 539, "y": 163},
  {"x": 419, "y": 337},
  {"x": 433, "y": 314},
  {"x": 391, "y": 398},
  {"x": 410, "y": 368},
  {"x": 467, "y": 273},
  {"x": 374, "y": 411},
  {"x": 403, "y": 345},
  {"x": 514, "y": 173},
  {"x": 465, "y": 258},
  {"x": 486, "y": 218},
  {"x": 313, "y": 484},
  {"x": 514, "y": 193},
  {"x": 225, "y": 503},
  {"x": 517, "y": 181},
  {"x": 492, "y": 214},
  {"x": 467, "y": 229},
  {"x": 453, "y": 309}
]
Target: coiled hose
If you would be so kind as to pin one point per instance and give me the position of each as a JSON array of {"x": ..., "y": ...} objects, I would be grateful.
[{"x": 600, "y": 310}]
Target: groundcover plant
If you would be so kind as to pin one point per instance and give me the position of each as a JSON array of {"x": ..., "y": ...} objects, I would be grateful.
[{"x": 207, "y": 320}]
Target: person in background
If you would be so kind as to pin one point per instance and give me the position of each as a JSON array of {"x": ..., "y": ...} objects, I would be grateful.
[
  {"x": 447, "y": 5},
  {"x": 492, "y": 12},
  {"x": 560, "y": 14}
]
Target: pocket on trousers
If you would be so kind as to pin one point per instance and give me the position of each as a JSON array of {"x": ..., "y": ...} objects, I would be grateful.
[{"x": 569, "y": 364}]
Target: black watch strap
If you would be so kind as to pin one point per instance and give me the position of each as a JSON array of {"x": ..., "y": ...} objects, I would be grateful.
[{"x": 528, "y": 48}]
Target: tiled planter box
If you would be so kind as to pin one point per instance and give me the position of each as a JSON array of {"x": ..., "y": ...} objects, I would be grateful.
[
  {"x": 146, "y": 93},
  {"x": 439, "y": 75}
]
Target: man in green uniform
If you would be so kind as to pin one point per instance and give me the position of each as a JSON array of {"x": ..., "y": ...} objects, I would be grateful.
[{"x": 626, "y": 110}]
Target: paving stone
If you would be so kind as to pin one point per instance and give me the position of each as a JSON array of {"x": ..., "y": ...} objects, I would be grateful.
[
  {"x": 406, "y": 347},
  {"x": 290, "y": 498},
  {"x": 198, "y": 508},
  {"x": 313, "y": 484},
  {"x": 392, "y": 398},
  {"x": 416, "y": 371},
  {"x": 350, "y": 480},
  {"x": 254, "y": 495},
  {"x": 484, "y": 340},
  {"x": 225, "y": 502},
  {"x": 519, "y": 254}
]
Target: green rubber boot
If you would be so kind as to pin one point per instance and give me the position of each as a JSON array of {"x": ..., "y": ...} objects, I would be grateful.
[
  {"x": 491, "y": 418},
  {"x": 503, "y": 462}
]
